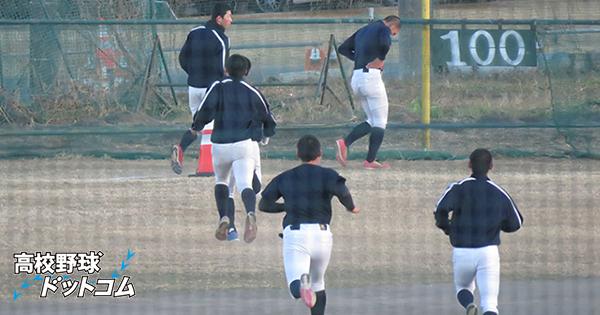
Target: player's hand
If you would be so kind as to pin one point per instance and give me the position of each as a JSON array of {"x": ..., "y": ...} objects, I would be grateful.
[
  {"x": 264, "y": 141},
  {"x": 356, "y": 209},
  {"x": 376, "y": 64}
]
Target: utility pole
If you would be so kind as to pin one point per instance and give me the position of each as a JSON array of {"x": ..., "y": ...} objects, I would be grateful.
[{"x": 410, "y": 40}]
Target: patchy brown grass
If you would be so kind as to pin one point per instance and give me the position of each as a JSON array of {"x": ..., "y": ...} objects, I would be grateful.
[
  {"x": 82, "y": 204},
  {"x": 466, "y": 98}
]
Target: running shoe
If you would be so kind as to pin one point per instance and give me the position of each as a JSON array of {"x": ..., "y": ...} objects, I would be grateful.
[
  {"x": 375, "y": 164},
  {"x": 176, "y": 159},
  {"x": 232, "y": 234},
  {"x": 251, "y": 228},
  {"x": 341, "y": 152},
  {"x": 472, "y": 309},
  {"x": 221, "y": 233},
  {"x": 308, "y": 296}
]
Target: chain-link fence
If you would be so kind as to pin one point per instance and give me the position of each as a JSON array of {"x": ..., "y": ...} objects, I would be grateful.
[{"x": 537, "y": 95}]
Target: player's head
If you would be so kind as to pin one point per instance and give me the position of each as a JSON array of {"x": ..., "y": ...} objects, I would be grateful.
[
  {"x": 393, "y": 22},
  {"x": 221, "y": 14},
  {"x": 480, "y": 161},
  {"x": 237, "y": 66},
  {"x": 309, "y": 148}
]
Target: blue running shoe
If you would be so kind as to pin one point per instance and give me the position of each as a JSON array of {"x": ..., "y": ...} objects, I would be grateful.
[{"x": 232, "y": 235}]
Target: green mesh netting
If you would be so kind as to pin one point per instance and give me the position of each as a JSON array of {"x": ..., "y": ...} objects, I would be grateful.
[{"x": 124, "y": 77}]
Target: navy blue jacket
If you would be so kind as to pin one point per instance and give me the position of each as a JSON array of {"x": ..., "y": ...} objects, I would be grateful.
[
  {"x": 367, "y": 44},
  {"x": 480, "y": 210},
  {"x": 239, "y": 110},
  {"x": 204, "y": 54},
  {"x": 307, "y": 191}
]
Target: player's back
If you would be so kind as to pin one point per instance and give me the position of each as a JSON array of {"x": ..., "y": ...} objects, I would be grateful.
[
  {"x": 481, "y": 210},
  {"x": 307, "y": 190},
  {"x": 240, "y": 112},
  {"x": 372, "y": 41},
  {"x": 206, "y": 51}
]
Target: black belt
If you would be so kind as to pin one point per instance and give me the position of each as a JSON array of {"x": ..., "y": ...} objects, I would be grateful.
[
  {"x": 296, "y": 226},
  {"x": 365, "y": 69}
]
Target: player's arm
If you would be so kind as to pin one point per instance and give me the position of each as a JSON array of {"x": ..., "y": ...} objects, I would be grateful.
[
  {"x": 444, "y": 206},
  {"x": 347, "y": 47},
  {"x": 343, "y": 194},
  {"x": 268, "y": 203},
  {"x": 268, "y": 120},
  {"x": 206, "y": 113},
  {"x": 514, "y": 219},
  {"x": 183, "y": 55},
  {"x": 376, "y": 64},
  {"x": 385, "y": 42}
]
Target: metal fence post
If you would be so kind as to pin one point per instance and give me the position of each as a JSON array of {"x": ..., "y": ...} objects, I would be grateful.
[{"x": 147, "y": 75}]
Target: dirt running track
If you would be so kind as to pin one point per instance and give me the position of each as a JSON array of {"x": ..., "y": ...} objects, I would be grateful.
[
  {"x": 388, "y": 259},
  {"x": 544, "y": 297}
]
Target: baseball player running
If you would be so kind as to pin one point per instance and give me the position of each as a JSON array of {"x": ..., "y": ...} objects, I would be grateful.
[
  {"x": 202, "y": 57},
  {"x": 307, "y": 191},
  {"x": 241, "y": 118},
  {"x": 368, "y": 48},
  {"x": 232, "y": 234},
  {"x": 480, "y": 210}
]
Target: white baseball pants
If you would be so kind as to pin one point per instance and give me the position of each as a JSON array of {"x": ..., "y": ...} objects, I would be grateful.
[
  {"x": 307, "y": 250},
  {"x": 195, "y": 96},
  {"x": 368, "y": 87},
  {"x": 239, "y": 159},
  {"x": 257, "y": 170},
  {"x": 483, "y": 264}
]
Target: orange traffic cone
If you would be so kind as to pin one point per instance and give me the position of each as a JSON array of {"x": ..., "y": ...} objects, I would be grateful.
[{"x": 205, "y": 166}]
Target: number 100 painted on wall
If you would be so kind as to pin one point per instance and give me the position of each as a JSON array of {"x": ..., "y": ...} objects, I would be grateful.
[{"x": 458, "y": 48}]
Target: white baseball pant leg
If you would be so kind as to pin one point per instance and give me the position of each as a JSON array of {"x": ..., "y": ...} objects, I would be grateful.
[
  {"x": 370, "y": 90},
  {"x": 257, "y": 170},
  {"x": 483, "y": 264},
  {"x": 257, "y": 167},
  {"x": 237, "y": 158},
  {"x": 307, "y": 250},
  {"x": 195, "y": 96}
]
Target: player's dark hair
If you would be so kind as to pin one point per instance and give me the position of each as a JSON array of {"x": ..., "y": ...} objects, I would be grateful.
[
  {"x": 220, "y": 9},
  {"x": 481, "y": 160},
  {"x": 249, "y": 64},
  {"x": 237, "y": 66},
  {"x": 309, "y": 148},
  {"x": 393, "y": 19}
]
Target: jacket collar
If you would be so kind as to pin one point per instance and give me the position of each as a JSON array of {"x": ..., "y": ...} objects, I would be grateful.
[
  {"x": 484, "y": 177},
  {"x": 213, "y": 25}
]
